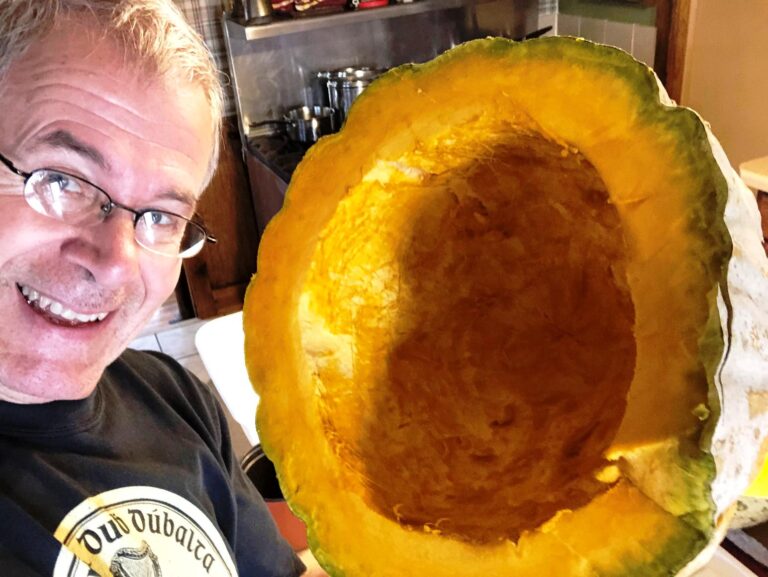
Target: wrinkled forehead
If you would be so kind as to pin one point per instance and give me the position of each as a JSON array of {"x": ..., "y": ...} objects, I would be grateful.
[
  {"x": 80, "y": 39},
  {"x": 76, "y": 75}
]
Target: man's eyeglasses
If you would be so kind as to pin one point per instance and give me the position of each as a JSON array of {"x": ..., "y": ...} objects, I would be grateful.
[{"x": 76, "y": 201}]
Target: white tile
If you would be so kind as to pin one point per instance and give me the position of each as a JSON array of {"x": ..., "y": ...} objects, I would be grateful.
[
  {"x": 547, "y": 6},
  {"x": 163, "y": 317},
  {"x": 568, "y": 25},
  {"x": 619, "y": 34},
  {"x": 179, "y": 341},
  {"x": 548, "y": 20},
  {"x": 592, "y": 29},
  {"x": 644, "y": 43},
  {"x": 145, "y": 343}
]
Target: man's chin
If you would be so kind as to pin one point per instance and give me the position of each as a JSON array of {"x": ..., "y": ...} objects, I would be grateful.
[{"x": 46, "y": 387}]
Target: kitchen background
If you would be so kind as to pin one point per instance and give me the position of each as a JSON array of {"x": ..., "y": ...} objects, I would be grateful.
[{"x": 710, "y": 54}]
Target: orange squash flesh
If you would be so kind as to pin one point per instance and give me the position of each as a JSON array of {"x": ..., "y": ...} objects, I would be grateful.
[{"x": 492, "y": 262}]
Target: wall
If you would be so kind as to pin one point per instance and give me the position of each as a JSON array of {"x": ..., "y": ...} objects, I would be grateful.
[
  {"x": 548, "y": 15},
  {"x": 726, "y": 73},
  {"x": 615, "y": 11},
  {"x": 631, "y": 28}
]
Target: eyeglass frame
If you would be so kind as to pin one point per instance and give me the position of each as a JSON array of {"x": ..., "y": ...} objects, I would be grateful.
[{"x": 110, "y": 205}]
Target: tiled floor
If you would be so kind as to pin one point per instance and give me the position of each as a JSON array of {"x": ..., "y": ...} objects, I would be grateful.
[{"x": 168, "y": 333}]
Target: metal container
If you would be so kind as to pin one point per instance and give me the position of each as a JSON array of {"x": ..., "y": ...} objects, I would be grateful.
[
  {"x": 309, "y": 123},
  {"x": 319, "y": 87},
  {"x": 346, "y": 85},
  {"x": 304, "y": 123},
  {"x": 257, "y": 12}
]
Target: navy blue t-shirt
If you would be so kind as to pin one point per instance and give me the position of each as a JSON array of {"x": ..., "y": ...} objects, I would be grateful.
[{"x": 137, "y": 479}]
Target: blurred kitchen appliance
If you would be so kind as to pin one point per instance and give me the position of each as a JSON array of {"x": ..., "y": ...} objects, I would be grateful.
[{"x": 319, "y": 87}]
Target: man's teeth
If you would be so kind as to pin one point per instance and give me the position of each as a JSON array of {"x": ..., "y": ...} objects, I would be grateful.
[{"x": 58, "y": 309}]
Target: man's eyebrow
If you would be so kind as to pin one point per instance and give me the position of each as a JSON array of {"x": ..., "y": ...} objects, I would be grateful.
[
  {"x": 181, "y": 197},
  {"x": 65, "y": 139}
]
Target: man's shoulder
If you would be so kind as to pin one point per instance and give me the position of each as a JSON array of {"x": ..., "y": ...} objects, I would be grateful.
[{"x": 159, "y": 378}]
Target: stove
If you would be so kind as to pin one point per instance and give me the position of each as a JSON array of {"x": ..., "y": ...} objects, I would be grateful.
[
  {"x": 278, "y": 152},
  {"x": 271, "y": 160}
]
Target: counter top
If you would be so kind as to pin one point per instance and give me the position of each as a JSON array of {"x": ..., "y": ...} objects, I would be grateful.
[
  {"x": 755, "y": 173},
  {"x": 277, "y": 153},
  {"x": 723, "y": 564}
]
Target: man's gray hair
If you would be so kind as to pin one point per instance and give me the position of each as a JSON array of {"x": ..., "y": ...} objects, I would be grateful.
[{"x": 153, "y": 33}]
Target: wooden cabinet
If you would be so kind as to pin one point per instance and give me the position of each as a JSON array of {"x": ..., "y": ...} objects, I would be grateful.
[
  {"x": 214, "y": 282},
  {"x": 671, "y": 38}
]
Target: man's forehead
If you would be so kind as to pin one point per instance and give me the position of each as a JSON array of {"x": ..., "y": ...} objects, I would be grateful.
[
  {"x": 71, "y": 92},
  {"x": 79, "y": 44}
]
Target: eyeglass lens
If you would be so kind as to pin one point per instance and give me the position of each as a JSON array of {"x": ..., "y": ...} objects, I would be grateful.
[{"x": 75, "y": 201}]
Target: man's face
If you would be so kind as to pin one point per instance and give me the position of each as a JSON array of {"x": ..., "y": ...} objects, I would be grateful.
[{"x": 69, "y": 104}]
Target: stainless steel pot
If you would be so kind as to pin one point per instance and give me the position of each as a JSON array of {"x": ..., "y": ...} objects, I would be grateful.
[
  {"x": 319, "y": 85},
  {"x": 305, "y": 123},
  {"x": 309, "y": 123},
  {"x": 345, "y": 85}
]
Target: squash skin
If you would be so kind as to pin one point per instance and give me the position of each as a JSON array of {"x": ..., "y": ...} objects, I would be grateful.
[{"x": 345, "y": 535}]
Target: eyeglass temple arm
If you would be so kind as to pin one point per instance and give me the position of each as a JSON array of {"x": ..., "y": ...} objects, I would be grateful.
[{"x": 12, "y": 168}]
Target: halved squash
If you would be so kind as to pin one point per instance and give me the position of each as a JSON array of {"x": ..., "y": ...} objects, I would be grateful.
[{"x": 511, "y": 321}]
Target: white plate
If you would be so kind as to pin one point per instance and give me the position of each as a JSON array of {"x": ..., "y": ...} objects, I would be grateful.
[
  {"x": 220, "y": 343},
  {"x": 723, "y": 564}
]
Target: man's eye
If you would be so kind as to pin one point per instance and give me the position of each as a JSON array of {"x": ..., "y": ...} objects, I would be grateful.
[
  {"x": 60, "y": 183},
  {"x": 163, "y": 224},
  {"x": 157, "y": 218}
]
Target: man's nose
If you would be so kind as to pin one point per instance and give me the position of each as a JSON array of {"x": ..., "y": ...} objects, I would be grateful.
[{"x": 108, "y": 250}]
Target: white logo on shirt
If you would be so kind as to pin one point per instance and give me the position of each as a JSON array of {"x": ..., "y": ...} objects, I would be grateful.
[{"x": 140, "y": 532}]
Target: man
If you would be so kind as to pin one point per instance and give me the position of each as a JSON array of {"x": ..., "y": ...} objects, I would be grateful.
[{"x": 111, "y": 462}]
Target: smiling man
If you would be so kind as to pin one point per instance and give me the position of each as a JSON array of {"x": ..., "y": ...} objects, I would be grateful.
[
  {"x": 69, "y": 107},
  {"x": 112, "y": 462}
]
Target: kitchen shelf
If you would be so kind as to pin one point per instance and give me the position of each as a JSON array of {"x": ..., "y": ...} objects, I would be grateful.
[{"x": 285, "y": 25}]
